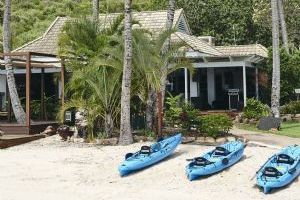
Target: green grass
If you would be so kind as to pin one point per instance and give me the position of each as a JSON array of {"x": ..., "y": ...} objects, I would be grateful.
[{"x": 291, "y": 129}]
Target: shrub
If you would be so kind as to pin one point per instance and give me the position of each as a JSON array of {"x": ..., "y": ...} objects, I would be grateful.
[
  {"x": 189, "y": 116},
  {"x": 255, "y": 109},
  {"x": 173, "y": 110},
  {"x": 215, "y": 125},
  {"x": 291, "y": 108}
]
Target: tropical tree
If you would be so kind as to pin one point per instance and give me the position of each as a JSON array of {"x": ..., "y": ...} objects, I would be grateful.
[
  {"x": 95, "y": 10},
  {"x": 94, "y": 84},
  {"x": 275, "y": 95},
  {"x": 283, "y": 25},
  {"x": 125, "y": 128},
  {"x": 15, "y": 101}
]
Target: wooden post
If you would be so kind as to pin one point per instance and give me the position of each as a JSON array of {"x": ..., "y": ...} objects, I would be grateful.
[
  {"x": 43, "y": 94},
  {"x": 28, "y": 77},
  {"x": 62, "y": 76},
  {"x": 159, "y": 114}
]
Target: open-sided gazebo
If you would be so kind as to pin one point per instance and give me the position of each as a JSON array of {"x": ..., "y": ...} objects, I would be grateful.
[{"x": 32, "y": 61}]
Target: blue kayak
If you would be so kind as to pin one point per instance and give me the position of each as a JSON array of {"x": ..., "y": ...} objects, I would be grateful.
[
  {"x": 215, "y": 160},
  {"x": 149, "y": 155},
  {"x": 281, "y": 169}
]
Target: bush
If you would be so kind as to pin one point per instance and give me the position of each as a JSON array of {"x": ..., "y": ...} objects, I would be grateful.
[
  {"x": 291, "y": 108},
  {"x": 255, "y": 109},
  {"x": 181, "y": 113},
  {"x": 215, "y": 125},
  {"x": 189, "y": 116}
]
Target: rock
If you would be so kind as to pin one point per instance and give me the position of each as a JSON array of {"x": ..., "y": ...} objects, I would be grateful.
[
  {"x": 231, "y": 139},
  {"x": 200, "y": 140},
  {"x": 252, "y": 121},
  {"x": 287, "y": 117},
  {"x": 245, "y": 120},
  {"x": 108, "y": 141},
  {"x": 221, "y": 140},
  {"x": 49, "y": 131},
  {"x": 140, "y": 138},
  {"x": 186, "y": 140},
  {"x": 210, "y": 140},
  {"x": 267, "y": 123},
  {"x": 297, "y": 115},
  {"x": 64, "y": 132}
]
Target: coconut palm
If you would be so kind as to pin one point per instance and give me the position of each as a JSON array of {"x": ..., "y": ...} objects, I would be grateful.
[
  {"x": 125, "y": 129},
  {"x": 283, "y": 25},
  {"x": 275, "y": 96},
  {"x": 15, "y": 101},
  {"x": 95, "y": 10}
]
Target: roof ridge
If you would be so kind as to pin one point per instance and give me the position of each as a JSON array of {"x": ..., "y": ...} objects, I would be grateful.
[
  {"x": 39, "y": 38},
  {"x": 238, "y": 45},
  {"x": 143, "y": 11}
]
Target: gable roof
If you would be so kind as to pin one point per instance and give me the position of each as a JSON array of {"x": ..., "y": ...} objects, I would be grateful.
[
  {"x": 197, "y": 44},
  {"x": 153, "y": 21}
]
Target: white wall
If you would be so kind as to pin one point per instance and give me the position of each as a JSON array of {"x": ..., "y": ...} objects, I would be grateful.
[
  {"x": 193, "y": 88},
  {"x": 211, "y": 92},
  {"x": 3, "y": 87}
]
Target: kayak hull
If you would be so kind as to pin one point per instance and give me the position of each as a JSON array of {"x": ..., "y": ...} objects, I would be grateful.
[
  {"x": 139, "y": 162},
  {"x": 219, "y": 163},
  {"x": 290, "y": 172}
]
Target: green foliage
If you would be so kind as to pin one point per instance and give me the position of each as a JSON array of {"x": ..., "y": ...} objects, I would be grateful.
[
  {"x": 181, "y": 113},
  {"x": 215, "y": 125},
  {"x": 189, "y": 117},
  {"x": 174, "y": 109},
  {"x": 51, "y": 107},
  {"x": 292, "y": 107},
  {"x": 290, "y": 73},
  {"x": 255, "y": 109}
]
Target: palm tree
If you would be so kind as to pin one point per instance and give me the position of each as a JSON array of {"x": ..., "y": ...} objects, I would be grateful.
[
  {"x": 15, "y": 101},
  {"x": 125, "y": 128},
  {"x": 283, "y": 25},
  {"x": 275, "y": 96},
  {"x": 95, "y": 10}
]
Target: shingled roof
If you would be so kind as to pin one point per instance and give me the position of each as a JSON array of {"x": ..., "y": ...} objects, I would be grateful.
[
  {"x": 153, "y": 21},
  {"x": 244, "y": 50}
]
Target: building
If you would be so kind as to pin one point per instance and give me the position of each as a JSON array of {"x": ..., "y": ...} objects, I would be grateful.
[{"x": 219, "y": 69}]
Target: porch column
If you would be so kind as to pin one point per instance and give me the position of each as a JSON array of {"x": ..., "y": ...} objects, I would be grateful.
[
  {"x": 244, "y": 85},
  {"x": 62, "y": 78},
  {"x": 43, "y": 110},
  {"x": 211, "y": 92},
  {"x": 185, "y": 85},
  {"x": 256, "y": 83},
  {"x": 28, "y": 77}
]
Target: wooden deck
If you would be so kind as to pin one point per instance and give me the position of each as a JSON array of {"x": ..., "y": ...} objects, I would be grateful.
[
  {"x": 19, "y": 129},
  {"x": 13, "y": 140}
]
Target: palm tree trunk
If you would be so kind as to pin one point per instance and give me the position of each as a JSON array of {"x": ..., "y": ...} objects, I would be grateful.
[
  {"x": 15, "y": 101},
  {"x": 166, "y": 46},
  {"x": 125, "y": 129},
  {"x": 283, "y": 25},
  {"x": 275, "y": 96},
  {"x": 95, "y": 10},
  {"x": 150, "y": 108}
]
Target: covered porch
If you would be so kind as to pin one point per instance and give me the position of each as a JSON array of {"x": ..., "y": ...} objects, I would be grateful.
[
  {"x": 224, "y": 77},
  {"x": 27, "y": 64}
]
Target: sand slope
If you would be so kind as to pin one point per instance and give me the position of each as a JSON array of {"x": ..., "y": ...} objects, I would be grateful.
[{"x": 49, "y": 169}]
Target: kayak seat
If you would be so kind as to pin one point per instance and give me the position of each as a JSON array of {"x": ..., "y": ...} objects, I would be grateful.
[
  {"x": 271, "y": 172},
  {"x": 221, "y": 151},
  {"x": 146, "y": 150},
  {"x": 284, "y": 158},
  {"x": 201, "y": 161}
]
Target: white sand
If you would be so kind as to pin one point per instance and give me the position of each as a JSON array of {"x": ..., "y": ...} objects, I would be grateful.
[{"x": 49, "y": 169}]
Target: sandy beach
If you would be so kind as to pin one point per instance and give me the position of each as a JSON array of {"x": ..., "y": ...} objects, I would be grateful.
[{"x": 50, "y": 169}]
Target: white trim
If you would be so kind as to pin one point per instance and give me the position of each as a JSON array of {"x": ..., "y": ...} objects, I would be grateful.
[
  {"x": 244, "y": 85},
  {"x": 185, "y": 84},
  {"x": 33, "y": 71},
  {"x": 223, "y": 64}
]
